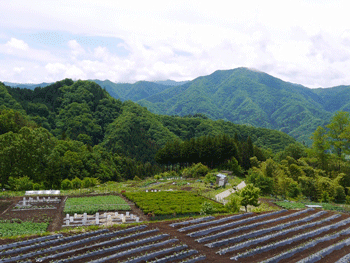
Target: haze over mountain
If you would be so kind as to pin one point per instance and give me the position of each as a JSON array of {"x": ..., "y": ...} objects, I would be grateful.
[{"x": 240, "y": 95}]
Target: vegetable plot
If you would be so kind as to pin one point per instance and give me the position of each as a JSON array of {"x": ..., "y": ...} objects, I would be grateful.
[
  {"x": 8, "y": 228},
  {"x": 94, "y": 204},
  {"x": 170, "y": 202}
]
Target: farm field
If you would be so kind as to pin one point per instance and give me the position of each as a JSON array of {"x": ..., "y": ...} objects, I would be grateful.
[
  {"x": 278, "y": 236},
  {"x": 93, "y": 204},
  {"x": 171, "y": 202}
]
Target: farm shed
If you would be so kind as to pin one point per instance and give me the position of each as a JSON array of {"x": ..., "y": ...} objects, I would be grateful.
[{"x": 221, "y": 179}]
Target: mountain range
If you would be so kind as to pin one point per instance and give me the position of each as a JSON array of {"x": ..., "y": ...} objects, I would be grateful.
[{"x": 240, "y": 95}]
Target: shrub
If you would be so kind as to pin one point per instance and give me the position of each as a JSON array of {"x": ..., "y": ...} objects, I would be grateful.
[
  {"x": 76, "y": 183},
  {"x": 66, "y": 184},
  {"x": 87, "y": 182},
  {"x": 207, "y": 208},
  {"x": 20, "y": 184},
  {"x": 234, "y": 204},
  {"x": 339, "y": 194},
  {"x": 264, "y": 183},
  {"x": 195, "y": 171},
  {"x": 347, "y": 199},
  {"x": 210, "y": 178},
  {"x": 136, "y": 178}
]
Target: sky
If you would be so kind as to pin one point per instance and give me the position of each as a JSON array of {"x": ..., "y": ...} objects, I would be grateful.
[{"x": 300, "y": 41}]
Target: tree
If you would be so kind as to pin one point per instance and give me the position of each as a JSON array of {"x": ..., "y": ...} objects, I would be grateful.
[
  {"x": 250, "y": 196},
  {"x": 337, "y": 127},
  {"x": 320, "y": 146},
  {"x": 234, "y": 204}
]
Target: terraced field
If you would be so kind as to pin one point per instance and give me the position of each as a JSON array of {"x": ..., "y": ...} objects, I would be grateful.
[{"x": 282, "y": 236}]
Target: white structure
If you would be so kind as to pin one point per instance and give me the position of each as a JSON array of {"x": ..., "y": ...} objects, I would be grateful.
[
  {"x": 221, "y": 179},
  {"x": 43, "y": 192},
  {"x": 224, "y": 194}
]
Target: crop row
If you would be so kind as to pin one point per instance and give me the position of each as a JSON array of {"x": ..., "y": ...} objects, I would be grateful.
[
  {"x": 274, "y": 235},
  {"x": 198, "y": 220},
  {"x": 108, "y": 242},
  {"x": 292, "y": 239},
  {"x": 105, "y": 250},
  {"x": 306, "y": 246},
  {"x": 218, "y": 221},
  {"x": 93, "y": 204},
  {"x": 254, "y": 233},
  {"x": 232, "y": 224},
  {"x": 324, "y": 252},
  {"x": 100, "y": 246}
]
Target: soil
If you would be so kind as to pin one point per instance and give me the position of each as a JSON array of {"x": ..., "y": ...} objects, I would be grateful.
[{"x": 56, "y": 215}]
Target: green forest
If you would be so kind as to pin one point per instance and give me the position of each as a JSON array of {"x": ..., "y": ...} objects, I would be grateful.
[
  {"x": 76, "y": 132},
  {"x": 73, "y": 134}
]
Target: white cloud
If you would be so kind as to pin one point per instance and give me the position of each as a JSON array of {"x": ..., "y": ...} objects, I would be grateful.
[
  {"x": 76, "y": 48},
  {"x": 18, "y": 69},
  {"x": 55, "y": 68},
  {"x": 17, "y": 44},
  {"x": 307, "y": 42}
]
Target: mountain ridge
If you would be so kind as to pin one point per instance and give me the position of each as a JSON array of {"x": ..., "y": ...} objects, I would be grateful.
[{"x": 241, "y": 95}]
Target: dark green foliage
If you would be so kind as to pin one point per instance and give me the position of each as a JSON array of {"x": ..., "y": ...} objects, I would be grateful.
[
  {"x": 247, "y": 97},
  {"x": 211, "y": 151},
  {"x": 76, "y": 129},
  {"x": 339, "y": 194},
  {"x": 264, "y": 183}
]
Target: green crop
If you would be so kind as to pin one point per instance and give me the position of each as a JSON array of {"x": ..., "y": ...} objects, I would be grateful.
[
  {"x": 93, "y": 204},
  {"x": 18, "y": 227},
  {"x": 170, "y": 202}
]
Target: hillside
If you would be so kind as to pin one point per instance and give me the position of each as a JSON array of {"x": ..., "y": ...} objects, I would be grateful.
[
  {"x": 85, "y": 112},
  {"x": 248, "y": 97},
  {"x": 241, "y": 95}
]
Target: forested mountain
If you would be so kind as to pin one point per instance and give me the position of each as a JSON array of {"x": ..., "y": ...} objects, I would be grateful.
[
  {"x": 137, "y": 91},
  {"x": 242, "y": 96},
  {"x": 76, "y": 129},
  {"x": 250, "y": 97}
]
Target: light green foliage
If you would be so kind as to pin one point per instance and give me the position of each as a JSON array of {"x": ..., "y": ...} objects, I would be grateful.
[
  {"x": 136, "y": 178},
  {"x": 20, "y": 184},
  {"x": 195, "y": 171},
  {"x": 320, "y": 145},
  {"x": 249, "y": 195},
  {"x": 66, "y": 184},
  {"x": 93, "y": 204},
  {"x": 171, "y": 202},
  {"x": 76, "y": 183},
  {"x": 8, "y": 228},
  {"x": 210, "y": 178},
  {"x": 296, "y": 172},
  {"x": 232, "y": 165},
  {"x": 207, "y": 208},
  {"x": 258, "y": 179},
  {"x": 337, "y": 127},
  {"x": 325, "y": 198},
  {"x": 234, "y": 203},
  {"x": 347, "y": 199}
]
